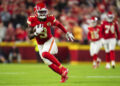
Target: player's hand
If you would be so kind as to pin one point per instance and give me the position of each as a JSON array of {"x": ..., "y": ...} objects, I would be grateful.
[
  {"x": 118, "y": 42},
  {"x": 69, "y": 36},
  {"x": 38, "y": 29}
]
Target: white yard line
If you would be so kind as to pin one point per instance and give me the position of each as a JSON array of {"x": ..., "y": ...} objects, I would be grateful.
[
  {"x": 12, "y": 73},
  {"x": 95, "y": 76},
  {"x": 103, "y": 77}
]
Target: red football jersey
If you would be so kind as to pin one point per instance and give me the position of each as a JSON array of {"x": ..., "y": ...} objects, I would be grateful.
[
  {"x": 94, "y": 33},
  {"x": 46, "y": 33},
  {"x": 110, "y": 30}
]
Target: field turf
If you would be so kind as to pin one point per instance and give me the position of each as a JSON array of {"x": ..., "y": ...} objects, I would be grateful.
[{"x": 40, "y": 75}]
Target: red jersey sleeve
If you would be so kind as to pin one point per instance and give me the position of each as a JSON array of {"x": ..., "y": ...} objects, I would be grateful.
[
  {"x": 89, "y": 35},
  {"x": 30, "y": 21},
  {"x": 102, "y": 28},
  {"x": 101, "y": 33},
  {"x": 58, "y": 24},
  {"x": 51, "y": 18},
  {"x": 117, "y": 30}
]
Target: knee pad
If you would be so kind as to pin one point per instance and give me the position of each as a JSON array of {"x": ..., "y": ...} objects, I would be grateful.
[{"x": 46, "y": 61}]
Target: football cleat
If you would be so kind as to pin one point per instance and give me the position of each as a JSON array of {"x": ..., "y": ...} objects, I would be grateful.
[
  {"x": 98, "y": 62},
  {"x": 94, "y": 66},
  {"x": 113, "y": 64},
  {"x": 63, "y": 79},
  {"x": 64, "y": 71},
  {"x": 108, "y": 66},
  {"x": 64, "y": 76}
]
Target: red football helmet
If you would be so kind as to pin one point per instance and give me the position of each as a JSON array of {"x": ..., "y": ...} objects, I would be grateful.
[
  {"x": 110, "y": 16},
  {"x": 93, "y": 21},
  {"x": 40, "y": 10}
]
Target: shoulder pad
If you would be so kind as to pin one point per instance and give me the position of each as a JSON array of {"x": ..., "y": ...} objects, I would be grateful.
[
  {"x": 30, "y": 18},
  {"x": 52, "y": 18}
]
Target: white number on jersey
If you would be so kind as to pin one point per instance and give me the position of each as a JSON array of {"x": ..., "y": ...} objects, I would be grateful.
[
  {"x": 109, "y": 28},
  {"x": 44, "y": 33},
  {"x": 95, "y": 34}
]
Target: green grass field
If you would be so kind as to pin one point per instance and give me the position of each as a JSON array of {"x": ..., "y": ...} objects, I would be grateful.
[{"x": 40, "y": 75}]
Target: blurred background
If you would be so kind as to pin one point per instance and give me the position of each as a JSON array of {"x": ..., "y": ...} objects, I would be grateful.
[{"x": 73, "y": 14}]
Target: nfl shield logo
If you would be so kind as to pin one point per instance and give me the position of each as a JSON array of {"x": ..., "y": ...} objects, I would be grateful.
[{"x": 49, "y": 24}]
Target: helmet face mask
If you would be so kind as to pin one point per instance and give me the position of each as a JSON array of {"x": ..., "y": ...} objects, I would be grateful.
[
  {"x": 42, "y": 14},
  {"x": 110, "y": 17},
  {"x": 93, "y": 21},
  {"x": 41, "y": 11}
]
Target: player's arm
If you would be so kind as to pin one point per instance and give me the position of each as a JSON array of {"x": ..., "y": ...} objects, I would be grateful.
[
  {"x": 117, "y": 30},
  {"x": 58, "y": 24},
  {"x": 102, "y": 29},
  {"x": 31, "y": 25},
  {"x": 89, "y": 36},
  {"x": 30, "y": 32},
  {"x": 69, "y": 36},
  {"x": 118, "y": 33}
]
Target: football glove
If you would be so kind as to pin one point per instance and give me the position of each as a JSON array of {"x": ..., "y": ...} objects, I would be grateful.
[
  {"x": 69, "y": 36},
  {"x": 38, "y": 29}
]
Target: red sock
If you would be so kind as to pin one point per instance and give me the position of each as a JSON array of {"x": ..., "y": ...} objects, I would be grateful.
[
  {"x": 95, "y": 57},
  {"x": 49, "y": 56},
  {"x": 112, "y": 55},
  {"x": 55, "y": 68},
  {"x": 107, "y": 57}
]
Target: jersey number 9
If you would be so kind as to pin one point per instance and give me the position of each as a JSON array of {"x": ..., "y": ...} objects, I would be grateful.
[{"x": 44, "y": 33}]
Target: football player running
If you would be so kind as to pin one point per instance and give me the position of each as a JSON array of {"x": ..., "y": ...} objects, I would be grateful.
[
  {"x": 94, "y": 36},
  {"x": 109, "y": 31},
  {"x": 39, "y": 28}
]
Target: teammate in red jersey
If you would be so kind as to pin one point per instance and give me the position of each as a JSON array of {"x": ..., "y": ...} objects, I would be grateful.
[
  {"x": 94, "y": 36},
  {"x": 39, "y": 27},
  {"x": 110, "y": 30}
]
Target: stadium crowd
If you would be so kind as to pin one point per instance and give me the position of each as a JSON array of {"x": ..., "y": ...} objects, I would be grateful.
[{"x": 74, "y": 15}]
